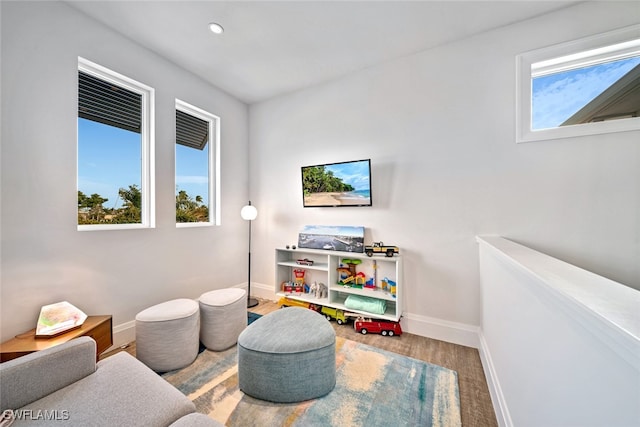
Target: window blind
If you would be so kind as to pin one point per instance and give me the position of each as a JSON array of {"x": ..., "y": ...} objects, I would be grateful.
[
  {"x": 108, "y": 103},
  {"x": 191, "y": 131}
]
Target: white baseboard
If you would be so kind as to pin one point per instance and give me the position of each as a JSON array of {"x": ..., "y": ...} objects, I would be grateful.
[
  {"x": 497, "y": 397},
  {"x": 430, "y": 327},
  {"x": 443, "y": 330},
  {"x": 261, "y": 290},
  {"x": 123, "y": 334}
]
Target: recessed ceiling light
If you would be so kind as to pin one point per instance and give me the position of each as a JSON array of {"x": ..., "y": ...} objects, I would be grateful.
[{"x": 216, "y": 28}]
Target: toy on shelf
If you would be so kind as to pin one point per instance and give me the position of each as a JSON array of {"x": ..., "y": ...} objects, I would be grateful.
[
  {"x": 288, "y": 302},
  {"x": 352, "y": 264},
  {"x": 304, "y": 261},
  {"x": 292, "y": 287},
  {"x": 347, "y": 274},
  {"x": 377, "y": 326},
  {"x": 381, "y": 248},
  {"x": 318, "y": 290},
  {"x": 299, "y": 275},
  {"x": 343, "y": 273},
  {"x": 299, "y": 284},
  {"x": 375, "y": 273},
  {"x": 389, "y": 285},
  {"x": 370, "y": 284},
  {"x": 286, "y": 286},
  {"x": 347, "y": 282}
]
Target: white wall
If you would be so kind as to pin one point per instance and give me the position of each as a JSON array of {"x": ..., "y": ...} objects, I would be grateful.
[
  {"x": 439, "y": 129},
  {"x": 560, "y": 345},
  {"x": 44, "y": 258}
]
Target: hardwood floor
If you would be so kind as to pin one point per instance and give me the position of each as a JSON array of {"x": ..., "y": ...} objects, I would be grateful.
[{"x": 475, "y": 401}]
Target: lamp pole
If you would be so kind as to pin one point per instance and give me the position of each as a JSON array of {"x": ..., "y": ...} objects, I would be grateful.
[{"x": 249, "y": 213}]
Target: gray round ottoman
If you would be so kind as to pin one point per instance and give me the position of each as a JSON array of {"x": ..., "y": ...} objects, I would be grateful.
[
  {"x": 167, "y": 335},
  {"x": 223, "y": 315},
  {"x": 287, "y": 356}
]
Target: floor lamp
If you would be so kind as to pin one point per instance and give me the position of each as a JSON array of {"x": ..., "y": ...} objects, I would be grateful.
[{"x": 249, "y": 213}]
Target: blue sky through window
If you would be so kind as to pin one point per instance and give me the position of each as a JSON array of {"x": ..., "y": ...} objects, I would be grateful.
[
  {"x": 556, "y": 97},
  {"x": 110, "y": 158},
  {"x": 192, "y": 171}
]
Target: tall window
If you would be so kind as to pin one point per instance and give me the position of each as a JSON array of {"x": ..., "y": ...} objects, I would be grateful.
[
  {"x": 197, "y": 145},
  {"x": 584, "y": 87},
  {"x": 115, "y": 150}
]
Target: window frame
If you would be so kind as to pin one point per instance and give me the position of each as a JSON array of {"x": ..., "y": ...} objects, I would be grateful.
[
  {"x": 147, "y": 137},
  {"x": 524, "y": 78},
  {"x": 214, "y": 163}
]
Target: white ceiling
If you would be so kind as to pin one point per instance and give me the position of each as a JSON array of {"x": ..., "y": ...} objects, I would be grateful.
[{"x": 275, "y": 47}]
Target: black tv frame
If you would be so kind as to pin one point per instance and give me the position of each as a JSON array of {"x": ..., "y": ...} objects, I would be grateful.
[{"x": 331, "y": 200}]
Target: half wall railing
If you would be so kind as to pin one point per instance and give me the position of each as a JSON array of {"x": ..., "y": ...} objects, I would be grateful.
[{"x": 560, "y": 345}]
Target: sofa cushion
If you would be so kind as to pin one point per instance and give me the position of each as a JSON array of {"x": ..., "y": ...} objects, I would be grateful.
[
  {"x": 31, "y": 377},
  {"x": 122, "y": 391}
]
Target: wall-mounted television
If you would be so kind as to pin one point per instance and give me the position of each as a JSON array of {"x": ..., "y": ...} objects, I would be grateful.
[{"x": 337, "y": 184}]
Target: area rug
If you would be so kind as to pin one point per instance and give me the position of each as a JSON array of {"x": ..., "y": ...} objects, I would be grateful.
[
  {"x": 374, "y": 388},
  {"x": 252, "y": 317}
]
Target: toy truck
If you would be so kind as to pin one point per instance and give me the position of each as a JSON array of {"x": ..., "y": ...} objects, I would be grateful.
[
  {"x": 334, "y": 313},
  {"x": 377, "y": 326},
  {"x": 381, "y": 248},
  {"x": 288, "y": 302}
]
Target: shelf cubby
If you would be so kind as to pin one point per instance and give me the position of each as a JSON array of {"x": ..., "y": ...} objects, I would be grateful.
[{"x": 325, "y": 270}]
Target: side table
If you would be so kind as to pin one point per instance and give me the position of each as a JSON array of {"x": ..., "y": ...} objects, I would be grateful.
[{"x": 100, "y": 328}]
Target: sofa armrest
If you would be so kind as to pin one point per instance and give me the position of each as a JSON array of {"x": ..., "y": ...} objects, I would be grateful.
[
  {"x": 121, "y": 392},
  {"x": 31, "y": 377}
]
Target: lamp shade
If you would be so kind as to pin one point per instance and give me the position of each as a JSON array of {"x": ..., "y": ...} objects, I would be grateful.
[{"x": 249, "y": 213}]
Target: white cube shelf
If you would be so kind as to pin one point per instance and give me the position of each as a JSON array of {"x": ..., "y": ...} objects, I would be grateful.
[{"x": 325, "y": 270}]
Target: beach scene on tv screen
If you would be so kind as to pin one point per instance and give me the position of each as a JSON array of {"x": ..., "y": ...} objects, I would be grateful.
[{"x": 339, "y": 184}]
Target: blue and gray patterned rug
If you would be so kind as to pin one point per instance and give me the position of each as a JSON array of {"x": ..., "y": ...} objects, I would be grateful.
[
  {"x": 252, "y": 317},
  {"x": 374, "y": 388}
]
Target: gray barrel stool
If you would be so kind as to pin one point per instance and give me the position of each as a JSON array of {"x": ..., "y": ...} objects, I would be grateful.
[
  {"x": 287, "y": 356},
  {"x": 167, "y": 335},
  {"x": 223, "y": 315}
]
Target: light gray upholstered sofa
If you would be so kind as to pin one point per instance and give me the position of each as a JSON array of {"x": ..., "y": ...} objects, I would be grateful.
[{"x": 64, "y": 385}]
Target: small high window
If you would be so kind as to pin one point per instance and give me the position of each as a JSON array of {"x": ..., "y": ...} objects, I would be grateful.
[
  {"x": 115, "y": 144},
  {"x": 197, "y": 144},
  {"x": 584, "y": 87}
]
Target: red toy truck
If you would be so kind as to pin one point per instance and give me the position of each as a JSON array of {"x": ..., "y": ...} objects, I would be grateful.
[{"x": 377, "y": 326}]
